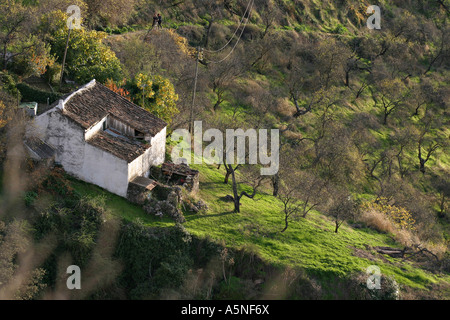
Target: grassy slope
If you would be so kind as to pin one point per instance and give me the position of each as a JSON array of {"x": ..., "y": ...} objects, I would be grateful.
[{"x": 308, "y": 243}]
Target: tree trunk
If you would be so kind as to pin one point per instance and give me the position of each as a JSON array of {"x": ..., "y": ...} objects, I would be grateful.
[
  {"x": 286, "y": 223},
  {"x": 208, "y": 32},
  {"x": 237, "y": 204},
  {"x": 5, "y": 61},
  {"x": 227, "y": 176},
  {"x": 337, "y": 227},
  {"x": 422, "y": 165},
  {"x": 385, "y": 117},
  {"x": 275, "y": 184},
  {"x": 236, "y": 198},
  {"x": 219, "y": 100},
  {"x": 442, "y": 206}
]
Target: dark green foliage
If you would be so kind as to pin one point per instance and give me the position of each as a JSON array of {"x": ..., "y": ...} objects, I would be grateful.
[
  {"x": 29, "y": 198},
  {"x": 73, "y": 219},
  {"x": 145, "y": 250},
  {"x": 234, "y": 289},
  {"x": 76, "y": 227},
  {"x": 31, "y": 94},
  {"x": 172, "y": 271},
  {"x": 8, "y": 83},
  {"x": 203, "y": 250}
]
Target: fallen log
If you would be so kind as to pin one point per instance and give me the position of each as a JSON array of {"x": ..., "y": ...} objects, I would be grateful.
[
  {"x": 392, "y": 252},
  {"x": 406, "y": 252}
]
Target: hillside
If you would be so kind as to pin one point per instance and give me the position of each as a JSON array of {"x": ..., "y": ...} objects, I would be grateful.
[{"x": 364, "y": 167}]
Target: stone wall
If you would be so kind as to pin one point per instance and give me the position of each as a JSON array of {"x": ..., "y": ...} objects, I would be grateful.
[{"x": 138, "y": 195}]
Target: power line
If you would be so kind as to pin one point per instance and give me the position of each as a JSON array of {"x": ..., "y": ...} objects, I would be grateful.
[
  {"x": 240, "y": 36},
  {"x": 200, "y": 57},
  {"x": 235, "y": 32}
]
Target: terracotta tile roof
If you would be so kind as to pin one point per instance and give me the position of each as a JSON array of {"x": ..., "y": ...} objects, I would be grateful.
[
  {"x": 89, "y": 105},
  {"x": 118, "y": 146}
]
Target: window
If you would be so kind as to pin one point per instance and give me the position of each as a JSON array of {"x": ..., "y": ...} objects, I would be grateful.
[{"x": 138, "y": 134}]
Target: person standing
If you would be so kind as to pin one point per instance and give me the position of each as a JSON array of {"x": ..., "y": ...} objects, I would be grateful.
[
  {"x": 159, "y": 21},
  {"x": 155, "y": 20}
]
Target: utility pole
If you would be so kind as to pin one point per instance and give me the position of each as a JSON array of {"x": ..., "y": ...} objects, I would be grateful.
[
  {"x": 143, "y": 96},
  {"x": 64, "y": 59},
  {"x": 191, "y": 117}
]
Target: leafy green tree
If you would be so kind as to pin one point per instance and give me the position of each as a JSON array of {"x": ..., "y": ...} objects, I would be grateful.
[
  {"x": 155, "y": 94},
  {"x": 87, "y": 56},
  {"x": 17, "y": 24}
]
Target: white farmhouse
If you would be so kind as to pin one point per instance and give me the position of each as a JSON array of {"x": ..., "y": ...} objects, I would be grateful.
[{"x": 102, "y": 138}]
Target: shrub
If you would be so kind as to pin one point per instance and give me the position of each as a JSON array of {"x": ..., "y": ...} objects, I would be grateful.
[
  {"x": 340, "y": 29},
  {"x": 172, "y": 272},
  {"x": 377, "y": 220},
  {"x": 356, "y": 285},
  {"x": 390, "y": 219},
  {"x": 53, "y": 74},
  {"x": 235, "y": 289},
  {"x": 400, "y": 217},
  {"x": 31, "y": 94},
  {"x": 30, "y": 197},
  {"x": 76, "y": 227},
  {"x": 145, "y": 250},
  {"x": 9, "y": 84},
  {"x": 57, "y": 183}
]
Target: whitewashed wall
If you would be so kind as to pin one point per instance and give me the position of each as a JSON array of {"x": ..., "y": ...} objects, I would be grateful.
[
  {"x": 67, "y": 137},
  {"x": 79, "y": 158},
  {"x": 94, "y": 129},
  {"x": 159, "y": 147},
  {"x": 92, "y": 164},
  {"x": 154, "y": 156},
  {"x": 105, "y": 170}
]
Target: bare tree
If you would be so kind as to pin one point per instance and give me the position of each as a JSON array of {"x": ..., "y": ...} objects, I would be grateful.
[
  {"x": 342, "y": 208},
  {"x": 429, "y": 141},
  {"x": 214, "y": 11},
  {"x": 252, "y": 177},
  {"x": 443, "y": 187},
  {"x": 288, "y": 196},
  {"x": 222, "y": 75}
]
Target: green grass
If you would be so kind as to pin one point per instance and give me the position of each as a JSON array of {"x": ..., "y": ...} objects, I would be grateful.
[
  {"x": 117, "y": 206},
  {"x": 308, "y": 243}
]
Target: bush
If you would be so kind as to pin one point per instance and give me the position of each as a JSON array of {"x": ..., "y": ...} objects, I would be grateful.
[
  {"x": 143, "y": 251},
  {"x": 76, "y": 227},
  {"x": 53, "y": 74},
  {"x": 235, "y": 289},
  {"x": 172, "y": 272},
  {"x": 340, "y": 29},
  {"x": 9, "y": 84},
  {"x": 390, "y": 219},
  {"x": 31, "y": 94},
  {"x": 29, "y": 198},
  {"x": 117, "y": 30}
]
